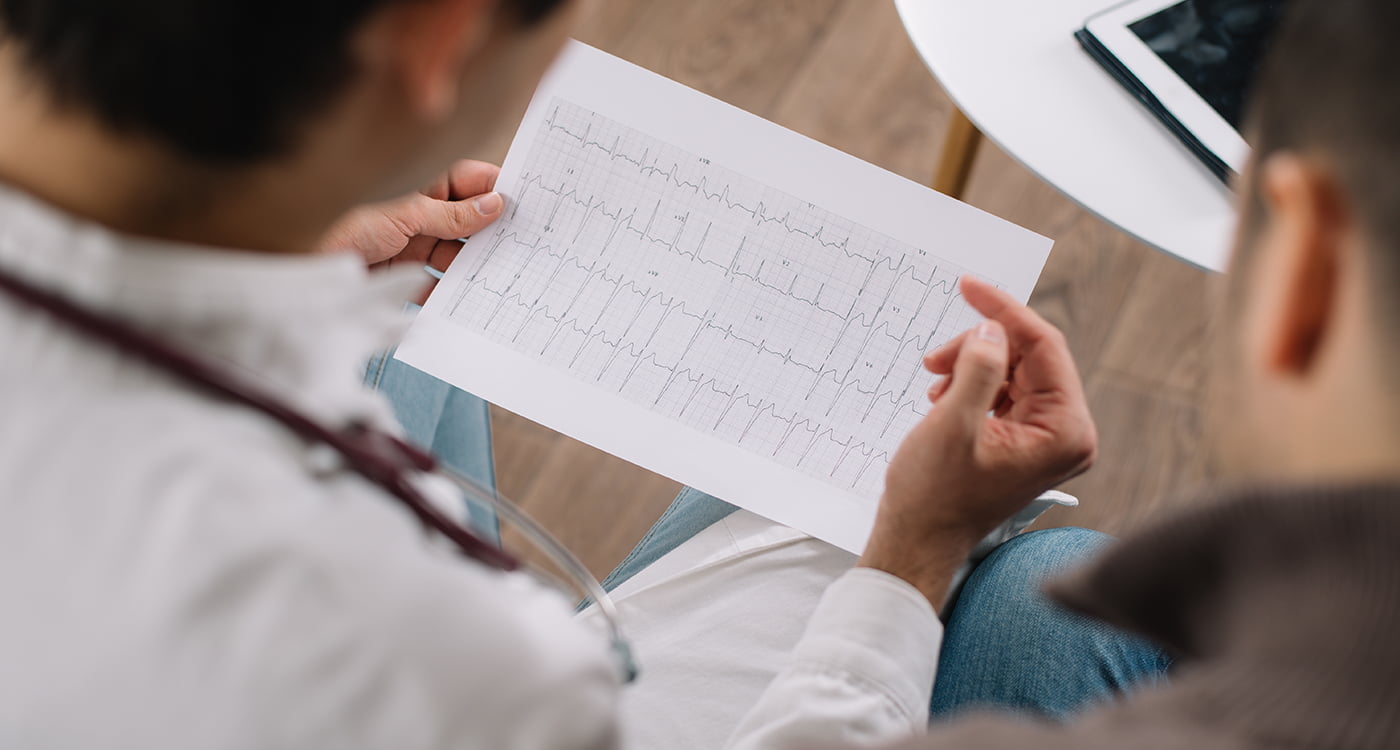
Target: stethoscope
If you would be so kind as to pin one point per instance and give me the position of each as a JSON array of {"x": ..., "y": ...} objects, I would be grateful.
[{"x": 380, "y": 457}]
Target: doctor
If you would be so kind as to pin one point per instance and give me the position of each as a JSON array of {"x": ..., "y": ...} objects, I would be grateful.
[{"x": 180, "y": 571}]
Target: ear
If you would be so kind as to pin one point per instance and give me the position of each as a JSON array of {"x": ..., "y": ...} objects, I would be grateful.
[
  {"x": 428, "y": 43},
  {"x": 1303, "y": 248}
]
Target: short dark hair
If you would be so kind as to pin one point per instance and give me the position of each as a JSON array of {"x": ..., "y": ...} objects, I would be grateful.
[
  {"x": 218, "y": 81},
  {"x": 1330, "y": 87}
]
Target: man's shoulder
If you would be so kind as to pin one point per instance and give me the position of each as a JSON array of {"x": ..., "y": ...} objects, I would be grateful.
[{"x": 222, "y": 560}]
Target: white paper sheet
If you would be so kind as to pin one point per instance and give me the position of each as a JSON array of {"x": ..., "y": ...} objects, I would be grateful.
[{"x": 711, "y": 296}]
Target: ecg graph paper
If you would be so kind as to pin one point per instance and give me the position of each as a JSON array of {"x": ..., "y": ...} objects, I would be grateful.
[
  {"x": 713, "y": 299},
  {"x": 710, "y": 296}
]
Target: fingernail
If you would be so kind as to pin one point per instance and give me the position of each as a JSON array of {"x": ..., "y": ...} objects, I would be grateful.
[
  {"x": 989, "y": 331},
  {"x": 489, "y": 204}
]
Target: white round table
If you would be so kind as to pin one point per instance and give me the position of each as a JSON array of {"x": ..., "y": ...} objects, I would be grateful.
[{"x": 1014, "y": 68}]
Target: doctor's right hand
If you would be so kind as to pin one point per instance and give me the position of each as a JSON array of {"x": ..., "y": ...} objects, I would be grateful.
[
  {"x": 424, "y": 228},
  {"x": 1007, "y": 423}
]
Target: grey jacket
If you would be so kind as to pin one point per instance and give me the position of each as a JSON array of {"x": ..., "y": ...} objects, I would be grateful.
[{"x": 1283, "y": 608}]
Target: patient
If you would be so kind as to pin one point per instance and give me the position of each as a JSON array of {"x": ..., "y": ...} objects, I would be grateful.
[
  {"x": 1276, "y": 602},
  {"x": 1281, "y": 597}
]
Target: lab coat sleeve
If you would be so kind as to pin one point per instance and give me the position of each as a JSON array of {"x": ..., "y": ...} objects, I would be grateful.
[
  {"x": 531, "y": 678},
  {"x": 861, "y": 675}
]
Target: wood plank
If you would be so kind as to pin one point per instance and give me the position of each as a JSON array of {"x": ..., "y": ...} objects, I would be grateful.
[
  {"x": 521, "y": 448},
  {"x": 598, "y": 505},
  {"x": 1166, "y": 325},
  {"x": 1092, "y": 268},
  {"x": 742, "y": 51},
  {"x": 865, "y": 91},
  {"x": 1150, "y": 461},
  {"x": 606, "y": 23}
]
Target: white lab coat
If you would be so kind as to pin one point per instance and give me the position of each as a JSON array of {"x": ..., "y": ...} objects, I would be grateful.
[{"x": 177, "y": 572}]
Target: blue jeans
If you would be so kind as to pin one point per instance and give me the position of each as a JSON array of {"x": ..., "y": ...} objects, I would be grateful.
[
  {"x": 1005, "y": 645},
  {"x": 451, "y": 423}
]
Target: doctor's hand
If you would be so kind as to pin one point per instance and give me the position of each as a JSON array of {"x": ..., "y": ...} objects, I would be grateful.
[
  {"x": 1007, "y": 423},
  {"x": 423, "y": 228}
]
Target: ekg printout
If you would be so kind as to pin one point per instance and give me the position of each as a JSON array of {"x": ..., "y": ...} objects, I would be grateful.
[{"x": 711, "y": 296}]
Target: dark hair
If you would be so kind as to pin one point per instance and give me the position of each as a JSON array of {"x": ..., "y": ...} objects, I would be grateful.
[
  {"x": 219, "y": 81},
  {"x": 1330, "y": 87}
]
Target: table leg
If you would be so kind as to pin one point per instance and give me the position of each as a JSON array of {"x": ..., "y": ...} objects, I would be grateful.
[{"x": 959, "y": 150}]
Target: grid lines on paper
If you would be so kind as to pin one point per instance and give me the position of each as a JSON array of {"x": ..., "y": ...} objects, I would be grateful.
[{"x": 712, "y": 299}]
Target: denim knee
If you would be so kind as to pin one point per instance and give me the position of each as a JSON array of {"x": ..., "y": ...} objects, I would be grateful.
[
  {"x": 1008, "y": 582},
  {"x": 1008, "y": 645},
  {"x": 1036, "y": 555}
]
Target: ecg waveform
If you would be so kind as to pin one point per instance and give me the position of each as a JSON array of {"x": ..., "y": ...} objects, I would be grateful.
[{"x": 713, "y": 299}]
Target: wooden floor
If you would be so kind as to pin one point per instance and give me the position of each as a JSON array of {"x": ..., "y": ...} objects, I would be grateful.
[{"x": 843, "y": 72}]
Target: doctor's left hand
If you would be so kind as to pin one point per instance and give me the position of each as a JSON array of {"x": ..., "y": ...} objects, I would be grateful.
[{"x": 423, "y": 228}]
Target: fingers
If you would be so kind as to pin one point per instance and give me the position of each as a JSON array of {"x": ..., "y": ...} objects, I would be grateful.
[
  {"x": 1024, "y": 327},
  {"x": 421, "y": 298},
  {"x": 443, "y": 253},
  {"x": 940, "y": 361},
  {"x": 938, "y": 388},
  {"x": 1035, "y": 343},
  {"x": 466, "y": 178},
  {"x": 979, "y": 373},
  {"x": 447, "y": 219},
  {"x": 439, "y": 258},
  {"x": 441, "y": 189},
  {"x": 1034, "y": 338},
  {"x": 463, "y": 179},
  {"x": 1003, "y": 403},
  {"x": 1021, "y": 322}
]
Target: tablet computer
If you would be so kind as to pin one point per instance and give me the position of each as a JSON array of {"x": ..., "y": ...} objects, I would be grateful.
[{"x": 1191, "y": 62}]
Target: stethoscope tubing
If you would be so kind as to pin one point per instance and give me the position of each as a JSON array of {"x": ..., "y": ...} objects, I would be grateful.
[{"x": 380, "y": 457}]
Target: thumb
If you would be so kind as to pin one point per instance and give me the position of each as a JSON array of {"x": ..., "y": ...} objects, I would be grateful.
[
  {"x": 449, "y": 219},
  {"x": 978, "y": 372}
]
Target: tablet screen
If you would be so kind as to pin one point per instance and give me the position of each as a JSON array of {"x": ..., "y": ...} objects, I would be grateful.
[{"x": 1213, "y": 45}]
